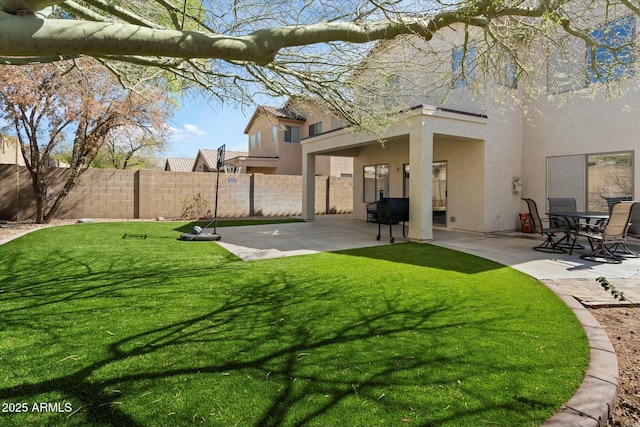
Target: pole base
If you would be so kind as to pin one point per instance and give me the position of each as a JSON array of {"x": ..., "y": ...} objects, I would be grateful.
[{"x": 204, "y": 237}]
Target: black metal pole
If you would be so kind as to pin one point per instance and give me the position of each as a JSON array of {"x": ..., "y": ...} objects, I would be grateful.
[{"x": 215, "y": 209}]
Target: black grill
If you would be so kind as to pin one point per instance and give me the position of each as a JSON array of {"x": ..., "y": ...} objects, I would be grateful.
[{"x": 392, "y": 210}]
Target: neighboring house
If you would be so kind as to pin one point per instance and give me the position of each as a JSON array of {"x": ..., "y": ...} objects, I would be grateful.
[
  {"x": 465, "y": 163},
  {"x": 206, "y": 160},
  {"x": 10, "y": 151},
  {"x": 177, "y": 164},
  {"x": 274, "y": 142}
]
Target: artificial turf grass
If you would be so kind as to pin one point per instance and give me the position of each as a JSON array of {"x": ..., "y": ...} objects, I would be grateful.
[{"x": 163, "y": 332}]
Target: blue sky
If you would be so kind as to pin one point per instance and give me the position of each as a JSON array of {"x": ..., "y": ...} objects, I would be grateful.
[{"x": 197, "y": 125}]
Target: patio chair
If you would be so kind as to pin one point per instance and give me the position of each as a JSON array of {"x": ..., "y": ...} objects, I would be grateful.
[
  {"x": 562, "y": 204},
  {"x": 559, "y": 205},
  {"x": 613, "y": 200},
  {"x": 613, "y": 236},
  {"x": 372, "y": 208},
  {"x": 550, "y": 245},
  {"x": 372, "y": 212},
  {"x": 634, "y": 228}
]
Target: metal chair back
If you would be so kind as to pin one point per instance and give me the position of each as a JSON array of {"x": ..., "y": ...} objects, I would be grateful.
[
  {"x": 535, "y": 216},
  {"x": 634, "y": 229},
  {"x": 563, "y": 204},
  {"x": 619, "y": 221}
]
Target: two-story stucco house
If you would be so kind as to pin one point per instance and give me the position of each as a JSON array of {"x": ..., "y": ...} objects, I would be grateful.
[
  {"x": 466, "y": 156},
  {"x": 275, "y": 136}
]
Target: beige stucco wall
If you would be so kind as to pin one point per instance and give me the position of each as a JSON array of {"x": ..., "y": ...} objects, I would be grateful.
[
  {"x": 409, "y": 70},
  {"x": 579, "y": 126},
  {"x": 10, "y": 151},
  {"x": 262, "y": 125},
  {"x": 341, "y": 166},
  {"x": 502, "y": 163},
  {"x": 465, "y": 181},
  {"x": 290, "y": 152}
]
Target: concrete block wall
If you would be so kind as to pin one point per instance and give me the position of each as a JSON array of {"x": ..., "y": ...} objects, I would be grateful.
[
  {"x": 166, "y": 194},
  {"x": 99, "y": 193},
  {"x": 9, "y": 191},
  {"x": 234, "y": 196},
  {"x": 339, "y": 195},
  {"x": 322, "y": 191},
  {"x": 277, "y": 195},
  {"x": 148, "y": 194}
]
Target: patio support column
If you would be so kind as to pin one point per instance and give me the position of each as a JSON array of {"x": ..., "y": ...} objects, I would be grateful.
[
  {"x": 308, "y": 186},
  {"x": 420, "y": 181}
]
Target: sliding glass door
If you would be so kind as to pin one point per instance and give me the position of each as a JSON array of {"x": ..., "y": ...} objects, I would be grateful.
[
  {"x": 439, "y": 195},
  {"x": 596, "y": 181}
]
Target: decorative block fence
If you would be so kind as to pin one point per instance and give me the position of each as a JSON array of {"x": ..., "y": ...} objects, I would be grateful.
[{"x": 148, "y": 194}]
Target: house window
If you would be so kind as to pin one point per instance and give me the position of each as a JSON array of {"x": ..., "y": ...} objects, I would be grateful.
[
  {"x": 594, "y": 180},
  {"x": 609, "y": 179},
  {"x": 315, "y": 129},
  {"x": 565, "y": 67},
  {"x": 463, "y": 65},
  {"x": 375, "y": 179},
  {"x": 509, "y": 74},
  {"x": 612, "y": 57},
  {"x": 254, "y": 141},
  {"x": 274, "y": 134},
  {"x": 292, "y": 134}
]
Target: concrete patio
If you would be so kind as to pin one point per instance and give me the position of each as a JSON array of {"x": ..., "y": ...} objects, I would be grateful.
[{"x": 330, "y": 233}]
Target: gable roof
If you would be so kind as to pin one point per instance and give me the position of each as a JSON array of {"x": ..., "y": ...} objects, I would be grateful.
[
  {"x": 210, "y": 157},
  {"x": 283, "y": 113},
  {"x": 177, "y": 164},
  {"x": 278, "y": 113}
]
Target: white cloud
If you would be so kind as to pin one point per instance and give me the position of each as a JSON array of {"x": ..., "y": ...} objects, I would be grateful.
[
  {"x": 193, "y": 129},
  {"x": 187, "y": 133}
]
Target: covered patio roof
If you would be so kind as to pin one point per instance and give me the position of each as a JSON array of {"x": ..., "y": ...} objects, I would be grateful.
[{"x": 420, "y": 125}]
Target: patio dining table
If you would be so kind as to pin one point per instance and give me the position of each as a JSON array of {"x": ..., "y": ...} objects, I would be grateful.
[
  {"x": 588, "y": 216},
  {"x": 574, "y": 218}
]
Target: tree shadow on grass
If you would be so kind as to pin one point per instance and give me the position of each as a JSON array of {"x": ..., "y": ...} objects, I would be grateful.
[
  {"x": 426, "y": 255},
  {"x": 246, "y": 308},
  {"x": 282, "y": 328}
]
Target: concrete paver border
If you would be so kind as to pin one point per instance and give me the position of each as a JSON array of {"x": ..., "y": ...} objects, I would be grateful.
[{"x": 592, "y": 403}]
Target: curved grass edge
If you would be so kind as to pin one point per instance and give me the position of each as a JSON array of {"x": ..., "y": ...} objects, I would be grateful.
[
  {"x": 323, "y": 266},
  {"x": 596, "y": 396}
]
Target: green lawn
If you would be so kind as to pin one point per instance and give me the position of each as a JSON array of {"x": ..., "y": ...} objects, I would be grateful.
[{"x": 113, "y": 331}]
